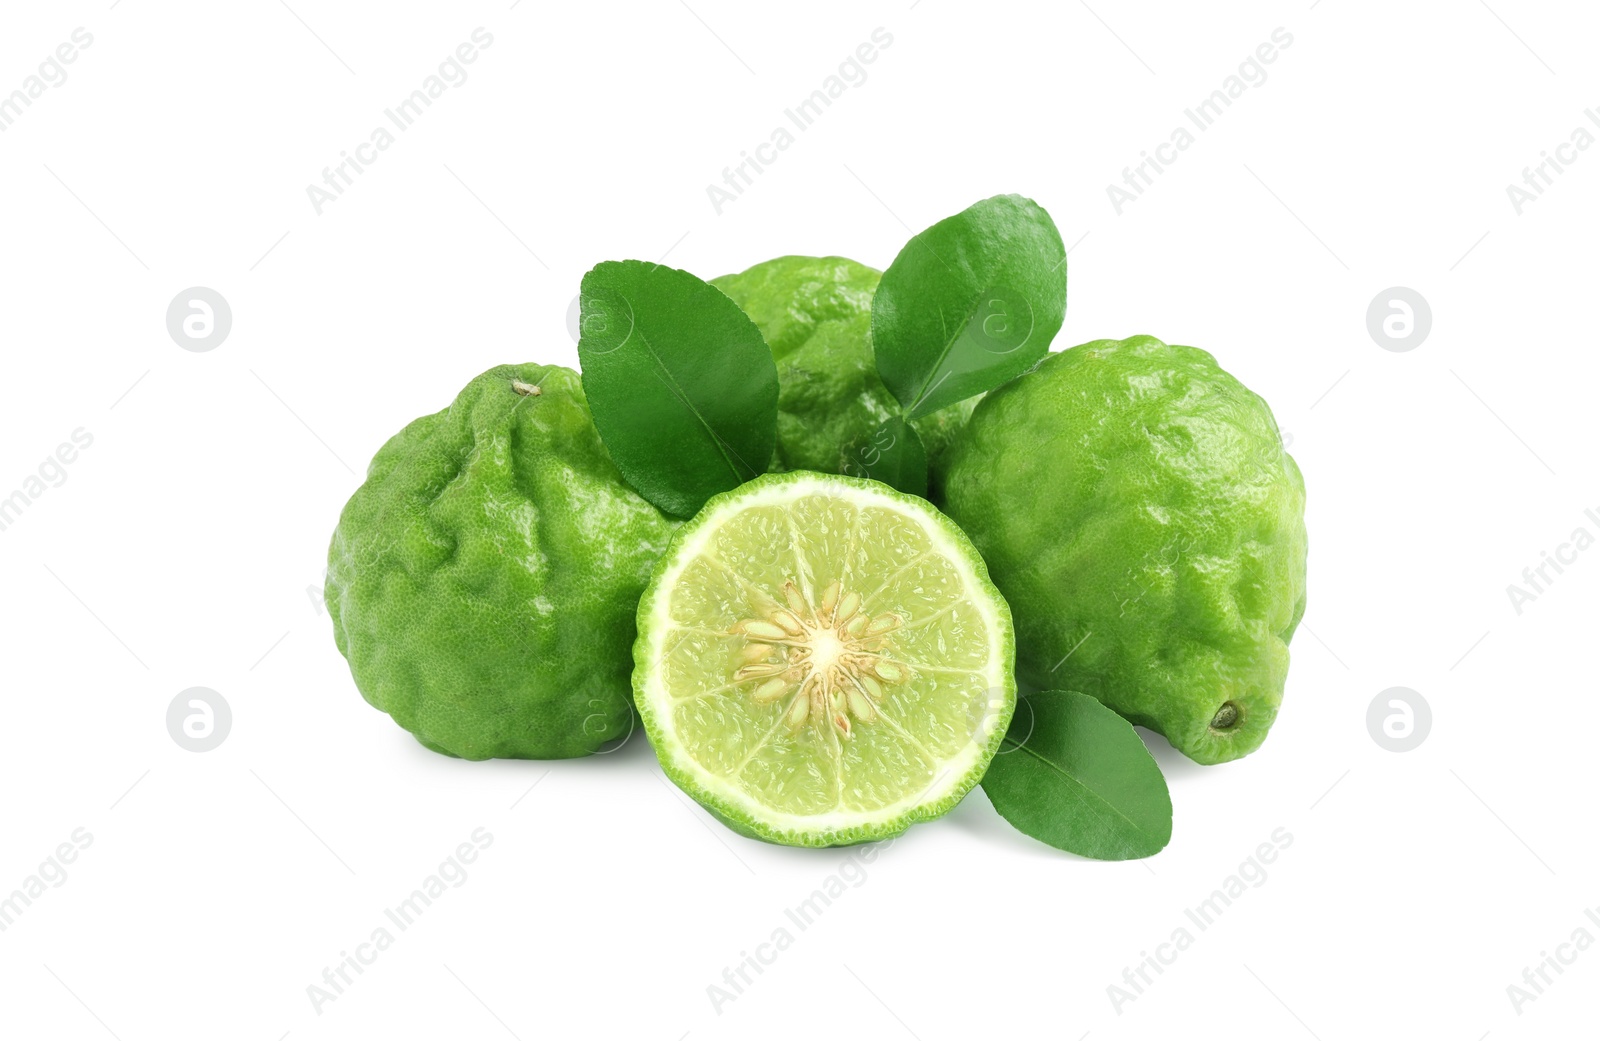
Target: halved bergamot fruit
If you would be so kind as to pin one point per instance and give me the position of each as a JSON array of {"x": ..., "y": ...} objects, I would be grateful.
[{"x": 823, "y": 660}]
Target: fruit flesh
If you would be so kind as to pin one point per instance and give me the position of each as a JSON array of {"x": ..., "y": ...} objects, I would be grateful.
[
  {"x": 814, "y": 666},
  {"x": 1137, "y": 508}
]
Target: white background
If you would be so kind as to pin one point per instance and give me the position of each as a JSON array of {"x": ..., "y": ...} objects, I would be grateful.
[{"x": 185, "y": 547}]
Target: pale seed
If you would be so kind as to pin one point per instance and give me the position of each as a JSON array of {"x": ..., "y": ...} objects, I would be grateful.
[
  {"x": 770, "y": 690},
  {"x": 763, "y": 630},
  {"x": 888, "y": 671},
  {"x": 754, "y": 652},
  {"x": 830, "y": 600},
  {"x": 797, "y": 603},
  {"x": 788, "y": 622},
  {"x": 881, "y": 625}
]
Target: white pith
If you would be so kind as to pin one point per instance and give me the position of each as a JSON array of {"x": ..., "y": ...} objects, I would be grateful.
[{"x": 950, "y": 774}]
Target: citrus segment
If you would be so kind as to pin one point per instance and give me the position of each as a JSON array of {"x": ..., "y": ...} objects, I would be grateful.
[{"x": 823, "y": 660}]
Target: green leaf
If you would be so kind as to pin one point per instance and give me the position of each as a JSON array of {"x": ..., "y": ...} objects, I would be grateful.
[
  {"x": 969, "y": 304},
  {"x": 892, "y": 454},
  {"x": 1073, "y": 774},
  {"x": 683, "y": 388}
]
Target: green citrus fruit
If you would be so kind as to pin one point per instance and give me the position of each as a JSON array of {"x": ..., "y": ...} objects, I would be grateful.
[
  {"x": 483, "y": 581},
  {"x": 822, "y": 660},
  {"x": 816, "y": 315},
  {"x": 1137, "y": 508}
]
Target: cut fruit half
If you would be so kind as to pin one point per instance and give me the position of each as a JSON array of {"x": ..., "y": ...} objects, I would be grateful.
[{"x": 823, "y": 660}]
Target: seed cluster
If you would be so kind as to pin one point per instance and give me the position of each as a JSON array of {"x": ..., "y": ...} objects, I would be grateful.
[{"x": 828, "y": 656}]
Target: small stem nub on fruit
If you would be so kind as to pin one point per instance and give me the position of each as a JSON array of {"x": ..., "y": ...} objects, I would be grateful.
[
  {"x": 527, "y": 390},
  {"x": 1227, "y": 716}
]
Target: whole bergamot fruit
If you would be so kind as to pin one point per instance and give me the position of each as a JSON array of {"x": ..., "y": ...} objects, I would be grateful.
[
  {"x": 484, "y": 581},
  {"x": 1137, "y": 509},
  {"x": 816, "y": 315}
]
